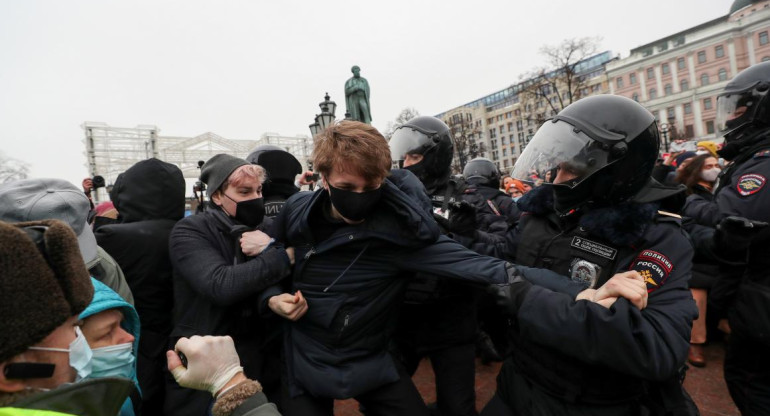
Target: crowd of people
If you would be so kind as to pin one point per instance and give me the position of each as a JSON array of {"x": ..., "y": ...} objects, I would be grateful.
[{"x": 595, "y": 272}]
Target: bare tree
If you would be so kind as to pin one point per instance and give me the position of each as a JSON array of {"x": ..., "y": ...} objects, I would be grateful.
[
  {"x": 12, "y": 169},
  {"x": 561, "y": 81},
  {"x": 466, "y": 133},
  {"x": 405, "y": 115}
]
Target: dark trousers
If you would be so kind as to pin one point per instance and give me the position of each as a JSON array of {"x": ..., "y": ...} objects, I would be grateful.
[
  {"x": 747, "y": 372},
  {"x": 454, "y": 368},
  {"x": 398, "y": 398}
]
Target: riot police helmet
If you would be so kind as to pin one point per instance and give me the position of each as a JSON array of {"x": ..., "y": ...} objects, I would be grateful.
[
  {"x": 743, "y": 107},
  {"x": 482, "y": 171},
  {"x": 602, "y": 149},
  {"x": 430, "y": 140},
  {"x": 280, "y": 165}
]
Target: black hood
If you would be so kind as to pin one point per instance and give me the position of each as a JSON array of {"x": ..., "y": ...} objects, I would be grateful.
[{"x": 149, "y": 190}]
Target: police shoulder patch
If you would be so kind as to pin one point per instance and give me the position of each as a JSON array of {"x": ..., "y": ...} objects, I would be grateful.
[
  {"x": 750, "y": 183},
  {"x": 654, "y": 268}
]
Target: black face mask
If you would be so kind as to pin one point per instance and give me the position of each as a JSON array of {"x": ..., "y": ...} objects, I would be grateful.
[
  {"x": 250, "y": 212},
  {"x": 354, "y": 205}
]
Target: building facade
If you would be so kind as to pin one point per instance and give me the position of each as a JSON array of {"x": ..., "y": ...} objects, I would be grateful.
[
  {"x": 499, "y": 125},
  {"x": 679, "y": 77}
]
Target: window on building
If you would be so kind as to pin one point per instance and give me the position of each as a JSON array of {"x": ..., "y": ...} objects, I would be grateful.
[
  {"x": 510, "y": 127},
  {"x": 619, "y": 82},
  {"x": 517, "y": 112},
  {"x": 653, "y": 94},
  {"x": 707, "y": 103},
  {"x": 505, "y": 163},
  {"x": 665, "y": 69},
  {"x": 519, "y": 125},
  {"x": 502, "y": 139},
  {"x": 505, "y": 151},
  {"x": 490, "y": 120},
  {"x": 710, "y": 127},
  {"x": 722, "y": 74},
  {"x": 684, "y": 85},
  {"x": 632, "y": 78},
  {"x": 701, "y": 57},
  {"x": 765, "y": 58},
  {"x": 502, "y": 130},
  {"x": 670, "y": 113},
  {"x": 635, "y": 97},
  {"x": 687, "y": 108},
  {"x": 704, "y": 80},
  {"x": 650, "y": 73},
  {"x": 667, "y": 89},
  {"x": 492, "y": 133},
  {"x": 763, "y": 38},
  {"x": 595, "y": 88},
  {"x": 719, "y": 51},
  {"x": 689, "y": 132},
  {"x": 680, "y": 63}
]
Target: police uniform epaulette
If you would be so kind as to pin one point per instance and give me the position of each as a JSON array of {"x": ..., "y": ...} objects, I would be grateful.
[{"x": 665, "y": 216}]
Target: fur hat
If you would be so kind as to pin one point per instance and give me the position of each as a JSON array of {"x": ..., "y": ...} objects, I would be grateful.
[
  {"x": 43, "y": 282},
  {"x": 217, "y": 169}
]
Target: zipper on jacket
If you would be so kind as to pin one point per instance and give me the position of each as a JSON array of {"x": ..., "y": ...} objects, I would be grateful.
[{"x": 310, "y": 253}]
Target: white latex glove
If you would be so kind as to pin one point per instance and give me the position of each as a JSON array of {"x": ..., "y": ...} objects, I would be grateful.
[{"x": 211, "y": 363}]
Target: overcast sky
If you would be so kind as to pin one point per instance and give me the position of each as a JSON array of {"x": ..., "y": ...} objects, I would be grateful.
[{"x": 243, "y": 68}]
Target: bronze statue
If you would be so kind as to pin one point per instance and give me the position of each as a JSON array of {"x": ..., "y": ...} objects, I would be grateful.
[{"x": 357, "y": 97}]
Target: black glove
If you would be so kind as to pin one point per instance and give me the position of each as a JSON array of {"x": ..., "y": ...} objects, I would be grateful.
[
  {"x": 462, "y": 219},
  {"x": 734, "y": 234},
  {"x": 509, "y": 296}
]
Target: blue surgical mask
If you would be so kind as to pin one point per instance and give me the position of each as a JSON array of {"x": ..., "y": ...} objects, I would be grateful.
[
  {"x": 113, "y": 361},
  {"x": 79, "y": 352}
]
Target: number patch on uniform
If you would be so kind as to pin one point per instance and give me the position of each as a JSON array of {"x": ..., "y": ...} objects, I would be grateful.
[
  {"x": 654, "y": 268},
  {"x": 750, "y": 183},
  {"x": 593, "y": 247}
]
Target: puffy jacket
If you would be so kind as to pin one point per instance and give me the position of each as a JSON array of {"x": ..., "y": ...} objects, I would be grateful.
[
  {"x": 149, "y": 197},
  {"x": 353, "y": 282}
]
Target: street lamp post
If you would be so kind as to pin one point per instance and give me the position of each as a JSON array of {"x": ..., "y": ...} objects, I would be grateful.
[
  {"x": 325, "y": 119},
  {"x": 664, "y": 132}
]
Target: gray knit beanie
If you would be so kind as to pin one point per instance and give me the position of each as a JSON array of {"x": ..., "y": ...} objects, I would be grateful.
[{"x": 217, "y": 169}]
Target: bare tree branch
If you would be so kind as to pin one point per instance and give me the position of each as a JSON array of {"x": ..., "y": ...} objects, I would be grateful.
[
  {"x": 404, "y": 116},
  {"x": 12, "y": 169}
]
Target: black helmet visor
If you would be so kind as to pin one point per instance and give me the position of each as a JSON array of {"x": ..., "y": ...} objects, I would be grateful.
[
  {"x": 408, "y": 140},
  {"x": 560, "y": 147},
  {"x": 737, "y": 109}
]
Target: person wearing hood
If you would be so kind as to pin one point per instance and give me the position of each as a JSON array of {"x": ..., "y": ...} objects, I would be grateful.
[
  {"x": 111, "y": 327},
  {"x": 282, "y": 169},
  {"x": 50, "y": 198},
  {"x": 222, "y": 260},
  {"x": 149, "y": 198}
]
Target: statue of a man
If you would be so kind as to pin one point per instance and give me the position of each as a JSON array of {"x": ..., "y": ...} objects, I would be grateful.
[{"x": 357, "y": 97}]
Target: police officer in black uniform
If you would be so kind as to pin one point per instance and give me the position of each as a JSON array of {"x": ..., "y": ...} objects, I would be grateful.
[
  {"x": 493, "y": 206},
  {"x": 282, "y": 168},
  {"x": 619, "y": 327},
  {"x": 438, "y": 318},
  {"x": 741, "y": 207}
]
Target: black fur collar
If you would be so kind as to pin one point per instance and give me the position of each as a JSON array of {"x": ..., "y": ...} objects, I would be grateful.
[{"x": 622, "y": 224}]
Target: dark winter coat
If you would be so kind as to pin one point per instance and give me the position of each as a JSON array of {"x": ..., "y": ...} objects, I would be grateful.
[
  {"x": 150, "y": 199},
  {"x": 578, "y": 357},
  {"x": 743, "y": 192},
  {"x": 354, "y": 284}
]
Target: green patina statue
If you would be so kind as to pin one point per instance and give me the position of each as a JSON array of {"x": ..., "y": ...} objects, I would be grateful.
[{"x": 357, "y": 97}]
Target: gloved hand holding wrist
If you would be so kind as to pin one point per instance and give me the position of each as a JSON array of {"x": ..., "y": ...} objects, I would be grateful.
[{"x": 211, "y": 362}]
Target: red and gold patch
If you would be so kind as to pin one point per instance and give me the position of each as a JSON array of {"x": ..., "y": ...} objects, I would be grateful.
[
  {"x": 750, "y": 184},
  {"x": 654, "y": 268}
]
